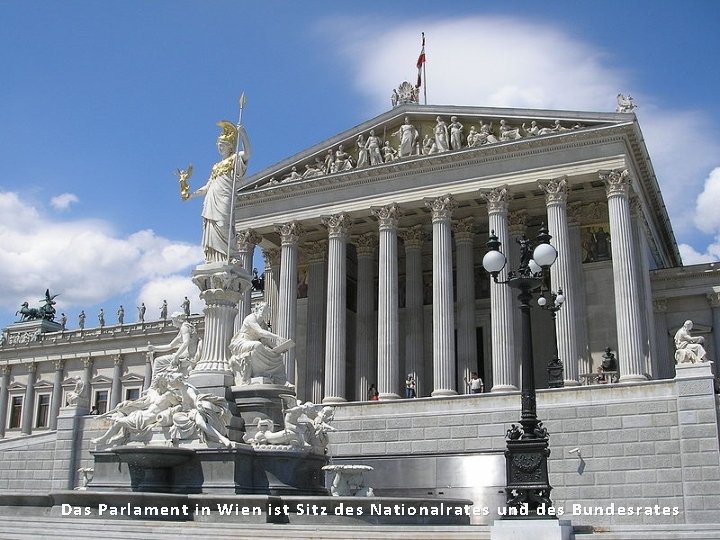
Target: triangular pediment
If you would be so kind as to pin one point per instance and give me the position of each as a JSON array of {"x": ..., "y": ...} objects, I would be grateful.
[
  {"x": 132, "y": 378},
  {"x": 482, "y": 128},
  {"x": 101, "y": 380},
  {"x": 16, "y": 386},
  {"x": 42, "y": 385}
]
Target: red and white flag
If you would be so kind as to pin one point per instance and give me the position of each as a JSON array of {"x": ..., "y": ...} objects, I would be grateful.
[{"x": 421, "y": 62}]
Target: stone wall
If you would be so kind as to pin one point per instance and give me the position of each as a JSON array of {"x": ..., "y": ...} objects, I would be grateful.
[
  {"x": 27, "y": 463},
  {"x": 647, "y": 444}
]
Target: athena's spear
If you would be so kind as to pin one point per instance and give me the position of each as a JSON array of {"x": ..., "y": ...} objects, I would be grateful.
[{"x": 235, "y": 166}]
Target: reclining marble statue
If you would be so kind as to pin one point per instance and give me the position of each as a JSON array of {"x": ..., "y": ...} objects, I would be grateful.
[
  {"x": 257, "y": 352},
  {"x": 173, "y": 407},
  {"x": 689, "y": 349}
]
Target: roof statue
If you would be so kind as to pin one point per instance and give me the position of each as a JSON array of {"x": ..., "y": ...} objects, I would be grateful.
[
  {"x": 46, "y": 311},
  {"x": 625, "y": 104},
  {"x": 405, "y": 93}
]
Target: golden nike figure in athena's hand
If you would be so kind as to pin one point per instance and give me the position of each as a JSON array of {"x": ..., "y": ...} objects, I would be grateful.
[{"x": 183, "y": 177}]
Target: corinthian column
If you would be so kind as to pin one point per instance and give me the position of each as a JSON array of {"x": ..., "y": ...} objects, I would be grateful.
[
  {"x": 575, "y": 213},
  {"x": 4, "y": 384},
  {"x": 116, "y": 388},
  {"x": 501, "y": 321},
  {"x": 563, "y": 277},
  {"x": 517, "y": 227},
  {"x": 713, "y": 299},
  {"x": 246, "y": 242},
  {"x": 388, "y": 320},
  {"x": 287, "y": 308},
  {"x": 271, "y": 293},
  {"x": 629, "y": 328},
  {"x": 465, "y": 268},
  {"x": 666, "y": 363},
  {"x": 56, "y": 401},
  {"x": 29, "y": 401},
  {"x": 443, "y": 307},
  {"x": 316, "y": 306},
  {"x": 365, "y": 341},
  {"x": 335, "y": 338},
  {"x": 413, "y": 238}
]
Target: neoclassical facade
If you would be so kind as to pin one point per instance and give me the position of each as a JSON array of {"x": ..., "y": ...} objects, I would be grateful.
[{"x": 373, "y": 264}]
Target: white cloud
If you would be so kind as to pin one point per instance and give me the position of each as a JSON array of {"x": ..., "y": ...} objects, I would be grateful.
[
  {"x": 82, "y": 259},
  {"x": 507, "y": 62},
  {"x": 707, "y": 217},
  {"x": 172, "y": 288},
  {"x": 63, "y": 202},
  {"x": 691, "y": 256}
]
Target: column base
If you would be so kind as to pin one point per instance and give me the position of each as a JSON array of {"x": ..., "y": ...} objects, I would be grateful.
[
  {"x": 632, "y": 378},
  {"x": 443, "y": 392},
  {"x": 504, "y": 388},
  {"x": 329, "y": 400},
  {"x": 388, "y": 396},
  {"x": 547, "y": 529},
  {"x": 571, "y": 382},
  {"x": 210, "y": 380}
]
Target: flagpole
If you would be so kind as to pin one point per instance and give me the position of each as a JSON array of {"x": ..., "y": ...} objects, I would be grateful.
[
  {"x": 424, "y": 72},
  {"x": 235, "y": 165}
]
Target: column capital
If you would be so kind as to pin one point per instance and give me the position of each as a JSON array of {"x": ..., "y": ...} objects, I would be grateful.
[
  {"x": 271, "y": 257},
  {"x": 517, "y": 221},
  {"x": 337, "y": 224},
  {"x": 617, "y": 182},
  {"x": 387, "y": 216},
  {"x": 366, "y": 244},
  {"x": 59, "y": 365},
  {"x": 5, "y": 370},
  {"x": 496, "y": 199},
  {"x": 441, "y": 207},
  {"x": 247, "y": 239},
  {"x": 31, "y": 367},
  {"x": 87, "y": 361},
  {"x": 117, "y": 359},
  {"x": 713, "y": 299},
  {"x": 660, "y": 305},
  {"x": 464, "y": 230},
  {"x": 316, "y": 251},
  {"x": 413, "y": 237},
  {"x": 149, "y": 357},
  {"x": 555, "y": 190},
  {"x": 289, "y": 232}
]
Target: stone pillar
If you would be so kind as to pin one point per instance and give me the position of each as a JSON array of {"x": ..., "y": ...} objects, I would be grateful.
[
  {"x": 316, "y": 308},
  {"x": 336, "y": 326},
  {"x": 563, "y": 277},
  {"x": 271, "y": 293},
  {"x": 443, "y": 305},
  {"x": 465, "y": 269},
  {"x": 629, "y": 328},
  {"x": 647, "y": 319},
  {"x": 221, "y": 287},
  {"x": 517, "y": 227},
  {"x": 413, "y": 238},
  {"x": 149, "y": 359},
  {"x": 87, "y": 375},
  {"x": 287, "y": 302},
  {"x": 574, "y": 213},
  {"x": 365, "y": 341},
  {"x": 246, "y": 242},
  {"x": 29, "y": 401},
  {"x": 388, "y": 319},
  {"x": 713, "y": 299},
  {"x": 4, "y": 384},
  {"x": 116, "y": 389},
  {"x": 666, "y": 356},
  {"x": 501, "y": 303},
  {"x": 57, "y": 393}
]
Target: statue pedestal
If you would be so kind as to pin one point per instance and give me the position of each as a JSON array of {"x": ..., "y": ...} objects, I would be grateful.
[
  {"x": 255, "y": 402},
  {"x": 694, "y": 371},
  {"x": 540, "y": 529},
  {"x": 221, "y": 287},
  {"x": 22, "y": 333}
]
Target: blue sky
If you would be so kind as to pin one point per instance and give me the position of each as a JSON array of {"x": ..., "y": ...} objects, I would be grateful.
[{"x": 101, "y": 101}]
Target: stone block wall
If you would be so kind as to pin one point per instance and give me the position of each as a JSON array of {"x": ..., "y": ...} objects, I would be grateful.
[{"x": 27, "y": 463}]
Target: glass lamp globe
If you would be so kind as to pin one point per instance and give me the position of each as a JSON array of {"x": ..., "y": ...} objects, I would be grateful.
[
  {"x": 545, "y": 255},
  {"x": 494, "y": 262},
  {"x": 535, "y": 268},
  {"x": 559, "y": 299},
  {"x": 542, "y": 301}
]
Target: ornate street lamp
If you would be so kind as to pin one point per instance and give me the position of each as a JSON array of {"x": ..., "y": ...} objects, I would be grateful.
[
  {"x": 527, "y": 450},
  {"x": 555, "y": 365}
]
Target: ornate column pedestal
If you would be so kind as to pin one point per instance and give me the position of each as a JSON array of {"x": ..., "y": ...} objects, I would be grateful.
[
  {"x": 443, "y": 306},
  {"x": 335, "y": 327},
  {"x": 221, "y": 287},
  {"x": 501, "y": 302},
  {"x": 388, "y": 357}
]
